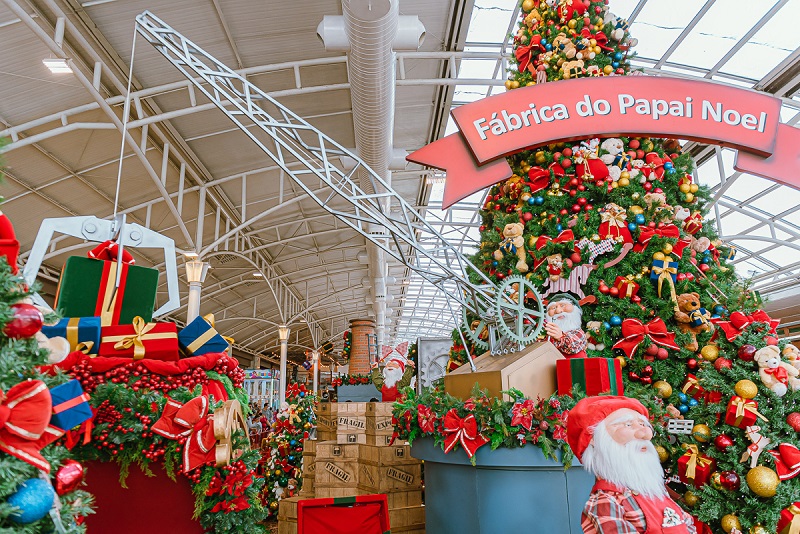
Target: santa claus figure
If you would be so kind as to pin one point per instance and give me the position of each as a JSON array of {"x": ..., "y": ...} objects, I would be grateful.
[
  {"x": 397, "y": 373},
  {"x": 611, "y": 438},
  {"x": 563, "y": 325}
]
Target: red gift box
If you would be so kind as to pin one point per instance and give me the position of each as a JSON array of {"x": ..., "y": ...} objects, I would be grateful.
[
  {"x": 627, "y": 287},
  {"x": 693, "y": 224},
  {"x": 742, "y": 412},
  {"x": 692, "y": 387},
  {"x": 154, "y": 341},
  {"x": 593, "y": 375},
  {"x": 695, "y": 468},
  {"x": 789, "y": 521}
]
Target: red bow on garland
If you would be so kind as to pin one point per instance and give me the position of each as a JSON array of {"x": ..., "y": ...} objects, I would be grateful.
[
  {"x": 569, "y": 7},
  {"x": 634, "y": 332},
  {"x": 190, "y": 421},
  {"x": 600, "y": 37},
  {"x": 109, "y": 251},
  {"x": 464, "y": 431},
  {"x": 524, "y": 54},
  {"x": 739, "y": 321},
  {"x": 564, "y": 237},
  {"x": 670, "y": 231},
  {"x": 538, "y": 179},
  {"x": 787, "y": 461}
]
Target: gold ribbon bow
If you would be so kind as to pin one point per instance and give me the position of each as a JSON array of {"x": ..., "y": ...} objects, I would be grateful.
[
  {"x": 794, "y": 526},
  {"x": 72, "y": 337},
  {"x": 665, "y": 274},
  {"x": 139, "y": 336},
  {"x": 617, "y": 219},
  {"x": 745, "y": 404},
  {"x": 695, "y": 459}
]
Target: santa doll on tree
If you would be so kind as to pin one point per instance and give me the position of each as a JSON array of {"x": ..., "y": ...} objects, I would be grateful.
[{"x": 563, "y": 325}]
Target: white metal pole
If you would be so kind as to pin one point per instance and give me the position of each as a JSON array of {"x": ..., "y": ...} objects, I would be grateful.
[
  {"x": 315, "y": 359},
  {"x": 283, "y": 336}
]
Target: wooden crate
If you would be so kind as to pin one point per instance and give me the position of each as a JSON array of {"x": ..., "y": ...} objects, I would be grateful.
[
  {"x": 327, "y": 408},
  {"x": 379, "y": 408},
  {"x": 412, "y": 516},
  {"x": 380, "y": 425},
  {"x": 309, "y": 473},
  {"x": 287, "y": 526},
  {"x": 351, "y": 423},
  {"x": 332, "y": 493},
  {"x": 349, "y": 438},
  {"x": 287, "y": 508},
  {"x": 326, "y": 423},
  {"x": 397, "y": 454},
  {"x": 379, "y": 441},
  {"x": 326, "y": 435},
  {"x": 331, "y": 450},
  {"x": 353, "y": 408},
  {"x": 336, "y": 474},
  {"x": 381, "y": 479},
  {"x": 397, "y": 498},
  {"x": 309, "y": 447}
]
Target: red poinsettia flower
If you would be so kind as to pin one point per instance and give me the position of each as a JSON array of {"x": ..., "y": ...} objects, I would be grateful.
[
  {"x": 426, "y": 418},
  {"x": 215, "y": 485},
  {"x": 469, "y": 404},
  {"x": 522, "y": 414},
  {"x": 559, "y": 432}
]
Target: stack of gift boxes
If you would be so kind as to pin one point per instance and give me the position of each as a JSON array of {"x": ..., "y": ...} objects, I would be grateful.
[
  {"x": 360, "y": 463},
  {"x": 107, "y": 304}
]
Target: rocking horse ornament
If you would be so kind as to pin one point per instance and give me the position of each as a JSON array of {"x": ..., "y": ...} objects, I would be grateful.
[{"x": 398, "y": 372}]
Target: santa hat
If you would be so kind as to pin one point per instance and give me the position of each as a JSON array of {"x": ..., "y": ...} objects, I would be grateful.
[
  {"x": 564, "y": 296},
  {"x": 399, "y": 362},
  {"x": 590, "y": 411}
]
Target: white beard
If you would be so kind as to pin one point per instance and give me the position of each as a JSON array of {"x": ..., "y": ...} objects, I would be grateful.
[
  {"x": 391, "y": 375},
  {"x": 567, "y": 321},
  {"x": 626, "y": 465}
]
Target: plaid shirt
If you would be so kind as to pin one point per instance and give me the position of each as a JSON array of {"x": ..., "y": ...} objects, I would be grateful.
[
  {"x": 610, "y": 512},
  {"x": 572, "y": 342}
]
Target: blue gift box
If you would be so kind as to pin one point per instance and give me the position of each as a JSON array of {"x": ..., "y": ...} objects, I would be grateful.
[
  {"x": 698, "y": 317},
  {"x": 660, "y": 266},
  {"x": 77, "y": 330},
  {"x": 198, "y": 337},
  {"x": 70, "y": 405}
]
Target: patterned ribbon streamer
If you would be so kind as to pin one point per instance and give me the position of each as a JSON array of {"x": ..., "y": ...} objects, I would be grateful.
[
  {"x": 634, "y": 332},
  {"x": 464, "y": 431}
]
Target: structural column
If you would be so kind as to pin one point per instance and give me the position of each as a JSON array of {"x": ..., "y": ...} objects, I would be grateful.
[
  {"x": 196, "y": 274},
  {"x": 315, "y": 361},
  {"x": 283, "y": 336},
  {"x": 359, "y": 351}
]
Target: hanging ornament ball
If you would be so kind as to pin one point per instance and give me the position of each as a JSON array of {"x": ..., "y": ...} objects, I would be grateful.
[
  {"x": 667, "y": 248},
  {"x": 691, "y": 363},
  {"x": 663, "y": 389},
  {"x": 273, "y": 505},
  {"x": 730, "y": 480},
  {"x": 716, "y": 480},
  {"x": 615, "y": 320},
  {"x": 701, "y": 433},
  {"x": 623, "y": 362},
  {"x": 762, "y": 481},
  {"x": 793, "y": 420},
  {"x": 722, "y": 442},
  {"x": 662, "y": 353},
  {"x": 528, "y": 5},
  {"x": 722, "y": 363},
  {"x": 663, "y": 455},
  {"x": 68, "y": 476},
  {"x": 652, "y": 350},
  {"x": 758, "y": 529},
  {"x": 746, "y": 353},
  {"x": 730, "y": 522},
  {"x": 34, "y": 498},
  {"x": 709, "y": 353},
  {"x": 746, "y": 389},
  {"x": 691, "y": 499},
  {"x": 27, "y": 320}
]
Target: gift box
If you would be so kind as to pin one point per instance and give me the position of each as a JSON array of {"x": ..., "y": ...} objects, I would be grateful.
[
  {"x": 83, "y": 333},
  {"x": 199, "y": 337},
  {"x": 692, "y": 387},
  {"x": 695, "y": 468},
  {"x": 593, "y": 375},
  {"x": 693, "y": 224},
  {"x": 742, "y": 412},
  {"x": 627, "y": 287},
  {"x": 698, "y": 317},
  {"x": 789, "y": 521},
  {"x": 664, "y": 271},
  {"x": 154, "y": 341},
  {"x": 87, "y": 289},
  {"x": 70, "y": 405}
]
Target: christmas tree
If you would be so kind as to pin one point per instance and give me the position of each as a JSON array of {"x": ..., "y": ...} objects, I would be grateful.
[
  {"x": 284, "y": 454},
  {"x": 39, "y": 482},
  {"x": 619, "y": 225}
]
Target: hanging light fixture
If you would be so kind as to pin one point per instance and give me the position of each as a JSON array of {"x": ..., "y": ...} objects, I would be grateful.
[{"x": 57, "y": 65}]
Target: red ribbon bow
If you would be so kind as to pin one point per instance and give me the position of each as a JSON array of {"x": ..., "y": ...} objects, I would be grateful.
[
  {"x": 538, "y": 179},
  {"x": 787, "y": 461},
  {"x": 564, "y": 237},
  {"x": 646, "y": 233},
  {"x": 464, "y": 431},
  {"x": 190, "y": 421},
  {"x": 634, "y": 332},
  {"x": 780, "y": 374},
  {"x": 600, "y": 37},
  {"x": 524, "y": 54},
  {"x": 739, "y": 321},
  {"x": 25, "y": 413},
  {"x": 109, "y": 251}
]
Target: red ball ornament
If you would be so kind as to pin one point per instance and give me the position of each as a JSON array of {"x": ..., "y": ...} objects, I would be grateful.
[
  {"x": 730, "y": 480},
  {"x": 793, "y": 420},
  {"x": 647, "y": 186},
  {"x": 599, "y": 183},
  {"x": 681, "y": 277},
  {"x": 575, "y": 257},
  {"x": 587, "y": 207},
  {"x": 652, "y": 350},
  {"x": 636, "y": 299},
  {"x": 663, "y": 354},
  {"x": 746, "y": 353},
  {"x": 26, "y": 322},
  {"x": 647, "y": 380},
  {"x": 632, "y": 375},
  {"x": 771, "y": 340},
  {"x": 722, "y": 363},
  {"x": 527, "y": 216},
  {"x": 602, "y": 288},
  {"x": 691, "y": 363},
  {"x": 575, "y": 207},
  {"x": 613, "y": 291},
  {"x": 704, "y": 267},
  {"x": 634, "y": 143},
  {"x": 566, "y": 163},
  {"x": 563, "y": 211},
  {"x": 647, "y": 370},
  {"x": 722, "y": 442},
  {"x": 690, "y": 276},
  {"x": 567, "y": 152},
  {"x": 557, "y": 156},
  {"x": 640, "y": 154},
  {"x": 582, "y": 201},
  {"x": 68, "y": 477}
]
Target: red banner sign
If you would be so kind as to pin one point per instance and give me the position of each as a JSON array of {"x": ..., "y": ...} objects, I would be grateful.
[{"x": 708, "y": 112}]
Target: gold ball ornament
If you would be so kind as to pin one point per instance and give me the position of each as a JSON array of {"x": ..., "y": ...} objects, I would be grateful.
[
  {"x": 515, "y": 84},
  {"x": 636, "y": 210},
  {"x": 663, "y": 389},
  {"x": 701, "y": 433},
  {"x": 300, "y": 409},
  {"x": 608, "y": 69},
  {"x": 685, "y": 188},
  {"x": 528, "y": 5},
  {"x": 277, "y": 472},
  {"x": 663, "y": 454},
  {"x": 758, "y": 529},
  {"x": 622, "y": 361},
  {"x": 716, "y": 480},
  {"x": 762, "y": 481},
  {"x": 691, "y": 499},
  {"x": 710, "y": 353},
  {"x": 273, "y": 505},
  {"x": 693, "y": 188},
  {"x": 746, "y": 389},
  {"x": 730, "y": 522},
  {"x": 659, "y": 256},
  {"x": 667, "y": 249},
  {"x": 689, "y": 197},
  {"x": 572, "y": 23},
  {"x": 624, "y": 182},
  {"x": 507, "y": 85},
  {"x": 625, "y": 175}
]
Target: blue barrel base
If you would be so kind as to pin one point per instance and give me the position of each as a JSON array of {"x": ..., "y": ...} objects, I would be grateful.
[
  {"x": 358, "y": 393},
  {"x": 508, "y": 490}
]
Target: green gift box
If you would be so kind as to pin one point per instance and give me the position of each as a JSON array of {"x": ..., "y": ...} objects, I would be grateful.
[
  {"x": 593, "y": 375},
  {"x": 86, "y": 289}
]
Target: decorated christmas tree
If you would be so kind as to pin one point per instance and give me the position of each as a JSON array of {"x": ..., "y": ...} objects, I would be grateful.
[
  {"x": 39, "y": 481},
  {"x": 284, "y": 454},
  {"x": 615, "y": 228}
]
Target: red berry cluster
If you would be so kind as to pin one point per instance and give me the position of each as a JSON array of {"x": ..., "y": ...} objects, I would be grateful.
[{"x": 230, "y": 367}]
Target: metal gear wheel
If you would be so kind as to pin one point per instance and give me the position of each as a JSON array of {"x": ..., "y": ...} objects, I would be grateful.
[
  {"x": 520, "y": 311},
  {"x": 474, "y": 332}
]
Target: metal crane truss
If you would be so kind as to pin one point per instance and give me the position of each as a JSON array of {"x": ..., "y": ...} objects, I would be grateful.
[{"x": 406, "y": 236}]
